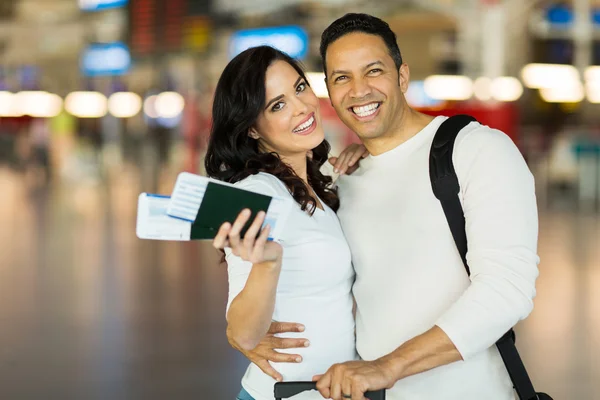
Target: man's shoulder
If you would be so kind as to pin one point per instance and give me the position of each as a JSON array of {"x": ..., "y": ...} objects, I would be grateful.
[
  {"x": 480, "y": 148},
  {"x": 477, "y": 136}
]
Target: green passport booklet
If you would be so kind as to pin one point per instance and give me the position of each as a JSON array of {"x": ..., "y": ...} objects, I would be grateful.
[{"x": 207, "y": 203}]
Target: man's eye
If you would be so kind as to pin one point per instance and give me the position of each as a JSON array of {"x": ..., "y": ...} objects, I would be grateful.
[
  {"x": 375, "y": 71},
  {"x": 340, "y": 78}
]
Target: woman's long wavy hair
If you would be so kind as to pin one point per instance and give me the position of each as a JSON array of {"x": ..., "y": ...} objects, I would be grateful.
[{"x": 233, "y": 155}]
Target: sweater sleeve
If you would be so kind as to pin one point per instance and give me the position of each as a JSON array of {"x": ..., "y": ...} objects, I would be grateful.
[
  {"x": 498, "y": 199},
  {"x": 238, "y": 270}
]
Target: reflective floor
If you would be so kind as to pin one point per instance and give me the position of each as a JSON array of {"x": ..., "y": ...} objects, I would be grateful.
[{"x": 88, "y": 311}]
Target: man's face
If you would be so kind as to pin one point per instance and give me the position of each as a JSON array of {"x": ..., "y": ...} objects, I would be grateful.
[{"x": 364, "y": 84}]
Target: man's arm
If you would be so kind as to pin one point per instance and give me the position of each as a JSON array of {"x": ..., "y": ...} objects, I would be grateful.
[
  {"x": 422, "y": 353},
  {"x": 498, "y": 196}
]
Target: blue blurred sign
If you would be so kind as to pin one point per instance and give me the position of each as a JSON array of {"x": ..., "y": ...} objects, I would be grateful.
[
  {"x": 596, "y": 16},
  {"x": 105, "y": 60},
  {"x": 292, "y": 40},
  {"x": 559, "y": 15},
  {"x": 563, "y": 16},
  {"x": 96, "y": 5}
]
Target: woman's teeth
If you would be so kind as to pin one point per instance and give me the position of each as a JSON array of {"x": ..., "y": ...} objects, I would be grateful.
[
  {"x": 305, "y": 125},
  {"x": 365, "y": 111}
]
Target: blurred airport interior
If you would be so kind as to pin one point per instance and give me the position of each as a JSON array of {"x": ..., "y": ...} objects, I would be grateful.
[{"x": 103, "y": 99}]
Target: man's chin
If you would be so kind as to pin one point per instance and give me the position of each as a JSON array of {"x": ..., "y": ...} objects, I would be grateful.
[{"x": 367, "y": 133}]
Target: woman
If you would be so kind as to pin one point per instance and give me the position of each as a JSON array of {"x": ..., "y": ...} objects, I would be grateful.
[{"x": 267, "y": 137}]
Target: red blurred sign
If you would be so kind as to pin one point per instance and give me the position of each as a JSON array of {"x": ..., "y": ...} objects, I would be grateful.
[
  {"x": 142, "y": 22},
  {"x": 158, "y": 26},
  {"x": 500, "y": 115}
]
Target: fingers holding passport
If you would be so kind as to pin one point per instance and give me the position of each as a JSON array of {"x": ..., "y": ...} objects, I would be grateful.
[{"x": 255, "y": 246}]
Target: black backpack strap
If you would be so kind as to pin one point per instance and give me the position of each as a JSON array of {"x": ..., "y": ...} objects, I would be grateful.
[
  {"x": 444, "y": 181},
  {"x": 446, "y": 188}
]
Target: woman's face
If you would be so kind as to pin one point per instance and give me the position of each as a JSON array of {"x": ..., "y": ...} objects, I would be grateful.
[{"x": 290, "y": 123}]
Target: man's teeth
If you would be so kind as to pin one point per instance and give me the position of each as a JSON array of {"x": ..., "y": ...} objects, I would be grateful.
[
  {"x": 365, "y": 111},
  {"x": 305, "y": 125}
]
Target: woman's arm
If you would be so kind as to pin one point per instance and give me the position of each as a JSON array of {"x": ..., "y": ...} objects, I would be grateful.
[{"x": 251, "y": 311}]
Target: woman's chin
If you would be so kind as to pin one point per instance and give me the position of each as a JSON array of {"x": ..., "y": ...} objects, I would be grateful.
[{"x": 315, "y": 139}]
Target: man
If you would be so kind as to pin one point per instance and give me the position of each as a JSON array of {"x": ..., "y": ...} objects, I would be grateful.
[{"x": 424, "y": 330}]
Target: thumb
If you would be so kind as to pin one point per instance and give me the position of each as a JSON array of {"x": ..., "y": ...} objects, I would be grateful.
[{"x": 333, "y": 160}]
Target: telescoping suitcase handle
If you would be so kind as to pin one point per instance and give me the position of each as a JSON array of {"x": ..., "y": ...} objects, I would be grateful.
[{"x": 284, "y": 390}]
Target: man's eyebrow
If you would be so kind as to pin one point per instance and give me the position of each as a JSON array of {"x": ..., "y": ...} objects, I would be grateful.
[
  {"x": 374, "y": 63},
  {"x": 343, "y": 72},
  {"x": 339, "y": 72}
]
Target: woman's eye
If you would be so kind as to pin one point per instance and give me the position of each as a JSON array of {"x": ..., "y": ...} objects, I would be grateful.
[
  {"x": 301, "y": 87},
  {"x": 277, "y": 106}
]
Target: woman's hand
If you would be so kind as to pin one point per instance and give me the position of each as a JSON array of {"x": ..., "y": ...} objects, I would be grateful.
[
  {"x": 253, "y": 247},
  {"x": 347, "y": 161}
]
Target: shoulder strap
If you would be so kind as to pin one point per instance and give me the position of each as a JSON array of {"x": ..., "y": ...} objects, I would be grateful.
[
  {"x": 446, "y": 188},
  {"x": 444, "y": 181}
]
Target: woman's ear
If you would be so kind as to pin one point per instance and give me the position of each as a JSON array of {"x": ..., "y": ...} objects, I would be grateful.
[{"x": 253, "y": 133}]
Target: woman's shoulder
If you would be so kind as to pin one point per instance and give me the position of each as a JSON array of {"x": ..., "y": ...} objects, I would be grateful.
[{"x": 264, "y": 183}]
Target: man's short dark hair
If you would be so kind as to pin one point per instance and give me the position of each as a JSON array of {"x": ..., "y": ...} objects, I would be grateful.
[{"x": 363, "y": 23}]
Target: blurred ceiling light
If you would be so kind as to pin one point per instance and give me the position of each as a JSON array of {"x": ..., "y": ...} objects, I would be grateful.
[
  {"x": 9, "y": 106},
  {"x": 124, "y": 104},
  {"x": 169, "y": 104},
  {"x": 506, "y": 88},
  {"x": 317, "y": 84},
  {"x": 448, "y": 87},
  {"x": 482, "y": 88},
  {"x": 592, "y": 74},
  {"x": 150, "y": 107},
  {"x": 86, "y": 104},
  {"x": 38, "y": 104},
  {"x": 593, "y": 91},
  {"x": 572, "y": 93},
  {"x": 538, "y": 76}
]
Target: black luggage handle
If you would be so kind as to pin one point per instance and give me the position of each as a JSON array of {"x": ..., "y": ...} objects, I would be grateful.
[{"x": 284, "y": 390}]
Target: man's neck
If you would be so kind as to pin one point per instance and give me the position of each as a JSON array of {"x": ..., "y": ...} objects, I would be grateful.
[{"x": 408, "y": 125}]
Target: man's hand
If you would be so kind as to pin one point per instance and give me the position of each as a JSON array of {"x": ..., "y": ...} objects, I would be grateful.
[
  {"x": 347, "y": 161},
  {"x": 352, "y": 379},
  {"x": 421, "y": 353},
  {"x": 266, "y": 349}
]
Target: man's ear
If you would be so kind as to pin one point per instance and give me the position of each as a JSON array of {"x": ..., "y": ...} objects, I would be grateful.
[
  {"x": 253, "y": 133},
  {"x": 403, "y": 77}
]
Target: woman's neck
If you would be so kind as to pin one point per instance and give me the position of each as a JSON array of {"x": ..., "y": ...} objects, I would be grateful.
[
  {"x": 298, "y": 165},
  {"x": 297, "y": 162}
]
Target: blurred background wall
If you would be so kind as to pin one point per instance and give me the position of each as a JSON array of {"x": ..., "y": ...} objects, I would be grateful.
[{"x": 103, "y": 99}]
